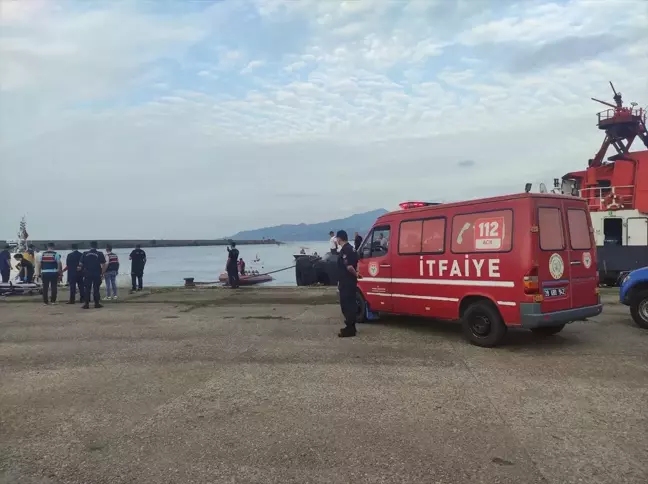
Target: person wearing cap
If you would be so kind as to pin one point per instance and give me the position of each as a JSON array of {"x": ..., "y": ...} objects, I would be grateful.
[{"x": 347, "y": 283}]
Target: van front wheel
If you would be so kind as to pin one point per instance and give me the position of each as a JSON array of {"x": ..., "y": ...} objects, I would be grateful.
[
  {"x": 482, "y": 324},
  {"x": 639, "y": 309}
]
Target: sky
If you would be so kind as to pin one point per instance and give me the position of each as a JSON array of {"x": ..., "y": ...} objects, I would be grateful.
[{"x": 197, "y": 119}]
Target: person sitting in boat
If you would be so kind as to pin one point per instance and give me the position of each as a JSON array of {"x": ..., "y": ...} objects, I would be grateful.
[{"x": 241, "y": 266}]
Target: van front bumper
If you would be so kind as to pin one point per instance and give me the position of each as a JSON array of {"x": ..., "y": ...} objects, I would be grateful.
[{"x": 531, "y": 315}]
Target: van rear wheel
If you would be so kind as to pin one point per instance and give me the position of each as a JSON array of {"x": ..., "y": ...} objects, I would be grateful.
[
  {"x": 548, "y": 330},
  {"x": 482, "y": 324}
]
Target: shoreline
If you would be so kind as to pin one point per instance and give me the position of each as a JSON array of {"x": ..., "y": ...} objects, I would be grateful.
[{"x": 148, "y": 244}]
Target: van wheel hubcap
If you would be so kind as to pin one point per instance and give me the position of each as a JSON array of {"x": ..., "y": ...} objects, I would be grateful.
[
  {"x": 643, "y": 309},
  {"x": 481, "y": 326}
]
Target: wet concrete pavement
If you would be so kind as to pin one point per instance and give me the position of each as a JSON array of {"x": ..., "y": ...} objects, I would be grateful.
[{"x": 206, "y": 387}]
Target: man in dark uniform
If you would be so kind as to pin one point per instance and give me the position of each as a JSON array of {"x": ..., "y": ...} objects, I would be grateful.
[
  {"x": 93, "y": 265},
  {"x": 138, "y": 261},
  {"x": 75, "y": 277},
  {"x": 232, "y": 266},
  {"x": 5, "y": 264},
  {"x": 50, "y": 272},
  {"x": 347, "y": 283}
]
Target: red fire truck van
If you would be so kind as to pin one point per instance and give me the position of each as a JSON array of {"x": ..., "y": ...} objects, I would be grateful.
[{"x": 525, "y": 260}]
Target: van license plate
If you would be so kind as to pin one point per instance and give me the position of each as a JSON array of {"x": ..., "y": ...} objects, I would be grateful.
[{"x": 558, "y": 291}]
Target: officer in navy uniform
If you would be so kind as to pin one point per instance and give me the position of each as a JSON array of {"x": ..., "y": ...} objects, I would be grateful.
[
  {"x": 347, "y": 283},
  {"x": 50, "y": 272},
  {"x": 75, "y": 277},
  {"x": 93, "y": 265}
]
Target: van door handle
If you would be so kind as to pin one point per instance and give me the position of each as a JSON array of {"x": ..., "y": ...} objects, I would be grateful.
[
  {"x": 575, "y": 262},
  {"x": 385, "y": 265}
]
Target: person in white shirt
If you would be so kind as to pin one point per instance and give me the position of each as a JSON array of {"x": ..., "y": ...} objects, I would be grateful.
[{"x": 333, "y": 244}]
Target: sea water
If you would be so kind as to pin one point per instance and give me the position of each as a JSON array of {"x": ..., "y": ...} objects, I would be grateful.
[{"x": 168, "y": 266}]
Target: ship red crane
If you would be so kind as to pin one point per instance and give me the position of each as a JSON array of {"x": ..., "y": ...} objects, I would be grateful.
[{"x": 622, "y": 125}]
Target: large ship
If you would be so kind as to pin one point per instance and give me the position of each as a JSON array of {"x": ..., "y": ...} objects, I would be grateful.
[{"x": 616, "y": 190}]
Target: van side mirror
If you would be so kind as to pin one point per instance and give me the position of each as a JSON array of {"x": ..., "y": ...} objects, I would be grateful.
[{"x": 365, "y": 253}]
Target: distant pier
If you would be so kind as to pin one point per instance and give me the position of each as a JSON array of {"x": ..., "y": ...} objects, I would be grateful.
[{"x": 131, "y": 243}]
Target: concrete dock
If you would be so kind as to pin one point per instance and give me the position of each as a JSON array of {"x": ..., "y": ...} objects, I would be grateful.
[{"x": 253, "y": 386}]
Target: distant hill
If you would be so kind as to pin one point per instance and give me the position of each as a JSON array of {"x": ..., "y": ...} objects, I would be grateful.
[{"x": 360, "y": 222}]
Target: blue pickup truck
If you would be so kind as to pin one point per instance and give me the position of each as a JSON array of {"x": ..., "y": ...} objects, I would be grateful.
[{"x": 634, "y": 293}]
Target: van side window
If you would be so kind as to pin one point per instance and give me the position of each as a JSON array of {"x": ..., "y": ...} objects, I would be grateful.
[
  {"x": 409, "y": 240},
  {"x": 377, "y": 243},
  {"x": 551, "y": 228},
  {"x": 426, "y": 236},
  {"x": 579, "y": 231},
  {"x": 482, "y": 232}
]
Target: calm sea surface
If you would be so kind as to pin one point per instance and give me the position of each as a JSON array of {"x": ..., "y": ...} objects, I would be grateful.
[{"x": 168, "y": 266}]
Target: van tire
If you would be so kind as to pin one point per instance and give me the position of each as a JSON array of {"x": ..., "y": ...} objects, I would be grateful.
[
  {"x": 482, "y": 324},
  {"x": 361, "y": 304},
  {"x": 548, "y": 330},
  {"x": 639, "y": 308}
]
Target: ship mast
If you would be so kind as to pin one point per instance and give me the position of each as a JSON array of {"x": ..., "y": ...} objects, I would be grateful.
[
  {"x": 22, "y": 235},
  {"x": 621, "y": 125}
]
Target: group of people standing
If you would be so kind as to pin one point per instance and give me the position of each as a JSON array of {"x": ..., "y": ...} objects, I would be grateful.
[{"x": 86, "y": 271}]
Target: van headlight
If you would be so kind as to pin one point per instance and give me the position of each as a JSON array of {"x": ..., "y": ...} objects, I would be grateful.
[{"x": 625, "y": 279}]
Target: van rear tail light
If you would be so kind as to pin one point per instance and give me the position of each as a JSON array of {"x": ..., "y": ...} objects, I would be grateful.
[{"x": 531, "y": 285}]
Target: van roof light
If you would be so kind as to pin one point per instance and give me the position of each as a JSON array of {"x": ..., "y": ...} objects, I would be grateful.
[{"x": 408, "y": 205}]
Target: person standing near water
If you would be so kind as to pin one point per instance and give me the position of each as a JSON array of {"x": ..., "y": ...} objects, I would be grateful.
[
  {"x": 138, "y": 261},
  {"x": 357, "y": 240},
  {"x": 5, "y": 264},
  {"x": 232, "y": 266},
  {"x": 112, "y": 269},
  {"x": 75, "y": 276},
  {"x": 347, "y": 284},
  {"x": 333, "y": 243},
  {"x": 50, "y": 271},
  {"x": 93, "y": 265}
]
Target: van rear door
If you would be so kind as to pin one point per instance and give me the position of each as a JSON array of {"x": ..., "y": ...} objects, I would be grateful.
[
  {"x": 582, "y": 254},
  {"x": 553, "y": 260}
]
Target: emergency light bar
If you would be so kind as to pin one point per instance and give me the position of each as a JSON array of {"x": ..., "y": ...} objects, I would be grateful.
[{"x": 408, "y": 205}]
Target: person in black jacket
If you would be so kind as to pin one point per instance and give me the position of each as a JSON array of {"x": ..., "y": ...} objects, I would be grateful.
[
  {"x": 93, "y": 265},
  {"x": 232, "y": 266},
  {"x": 357, "y": 240},
  {"x": 138, "y": 261},
  {"x": 74, "y": 277}
]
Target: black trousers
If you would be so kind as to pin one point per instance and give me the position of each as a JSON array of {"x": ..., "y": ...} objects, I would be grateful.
[
  {"x": 5, "y": 275},
  {"x": 92, "y": 284},
  {"x": 137, "y": 279},
  {"x": 50, "y": 282},
  {"x": 233, "y": 276},
  {"x": 77, "y": 282},
  {"x": 348, "y": 303}
]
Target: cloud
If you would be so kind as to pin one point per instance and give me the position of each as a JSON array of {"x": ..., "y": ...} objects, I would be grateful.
[
  {"x": 177, "y": 108},
  {"x": 252, "y": 65}
]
